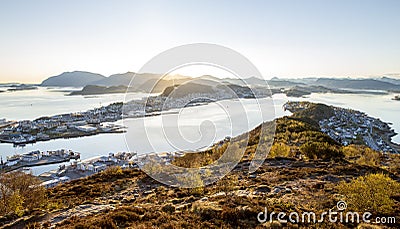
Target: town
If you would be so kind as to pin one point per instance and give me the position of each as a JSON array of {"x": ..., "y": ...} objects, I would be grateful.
[
  {"x": 62, "y": 126},
  {"x": 348, "y": 126}
]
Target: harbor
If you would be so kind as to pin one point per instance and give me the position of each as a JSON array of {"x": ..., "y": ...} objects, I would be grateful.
[{"x": 37, "y": 158}]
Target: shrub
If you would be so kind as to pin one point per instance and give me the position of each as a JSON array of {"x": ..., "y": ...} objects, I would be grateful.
[
  {"x": 371, "y": 193},
  {"x": 362, "y": 155},
  {"x": 321, "y": 150},
  {"x": 20, "y": 191},
  {"x": 280, "y": 150}
]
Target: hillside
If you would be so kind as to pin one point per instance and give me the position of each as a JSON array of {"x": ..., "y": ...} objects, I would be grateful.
[
  {"x": 395, "y": 81},
  {"x": 159, "y": 85},
  {"x": 179, "y": 91},
  {"x": 72, "y": 79}
]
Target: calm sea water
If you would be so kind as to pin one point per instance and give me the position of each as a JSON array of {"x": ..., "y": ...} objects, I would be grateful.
[
  {"x": 198, "y": 126},
  {"x": 33, "y": 104}
]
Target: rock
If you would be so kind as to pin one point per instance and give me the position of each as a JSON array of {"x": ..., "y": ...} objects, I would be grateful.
[
  {"x": 168, "y": 208},
  {"x": 277, "y": 190},
  {"x": 127, "y": 200},
  {"x": 113, "y": 202},
  {"x": 219, "y": 194},
  {"x": 118, "y": 188},
  {"x": 263, "y": 188},
  {"x": 331, "y": 178}
]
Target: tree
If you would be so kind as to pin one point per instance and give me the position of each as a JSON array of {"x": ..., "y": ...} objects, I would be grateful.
[{"x": 20, "y": 191}]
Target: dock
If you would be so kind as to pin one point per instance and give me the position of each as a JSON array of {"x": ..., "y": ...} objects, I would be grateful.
[{"x": 37, "y": 158}]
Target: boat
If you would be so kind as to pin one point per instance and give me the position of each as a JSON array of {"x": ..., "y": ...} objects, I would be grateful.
[{"x": 397, "y": 97}]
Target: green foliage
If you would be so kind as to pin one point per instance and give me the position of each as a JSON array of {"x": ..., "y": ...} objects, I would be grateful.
[
  {"x": 321, "y": 150},
  {"x": 371, "y": 193},
  {"x": 15, "y": 203},
  {"x": 362, "y": 155},
  {"x": 280, "y": 150}
]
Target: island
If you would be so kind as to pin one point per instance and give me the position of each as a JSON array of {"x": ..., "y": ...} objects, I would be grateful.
[
  {"x": 22, "y": 87},
  {"x": 63, "y": 126},
  {"x": 98, "y": 90}
]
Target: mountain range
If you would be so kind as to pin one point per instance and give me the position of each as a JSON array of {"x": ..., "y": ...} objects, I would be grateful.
[{"x": 149, "y": 82}]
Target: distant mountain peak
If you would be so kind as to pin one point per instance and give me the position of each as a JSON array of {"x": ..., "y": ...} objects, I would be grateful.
[{"x": 72, "y": 79}]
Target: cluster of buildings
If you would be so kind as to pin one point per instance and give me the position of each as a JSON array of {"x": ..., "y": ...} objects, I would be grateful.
[
  {"x": 154, "y": 104},
  {"x": 78, "y": 168},
  {"x": 295, "y": 106},
  {"x": 56, "y": 181},
  {"x": 45, "y": 128},
  {"x": 348, "y": 126},
  {"x": 38, "y": 158}
]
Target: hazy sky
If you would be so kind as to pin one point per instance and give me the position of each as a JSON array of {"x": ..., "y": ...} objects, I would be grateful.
[{"x": 295, "y": 38}]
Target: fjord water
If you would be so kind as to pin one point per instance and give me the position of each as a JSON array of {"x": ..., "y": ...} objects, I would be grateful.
[
  {"x": 32, "y": 104},
  {"x": 190, "y": 120}
]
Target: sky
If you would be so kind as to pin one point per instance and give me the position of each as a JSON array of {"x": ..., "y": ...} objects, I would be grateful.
[{"x": 341, "y": 38}]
